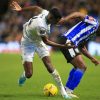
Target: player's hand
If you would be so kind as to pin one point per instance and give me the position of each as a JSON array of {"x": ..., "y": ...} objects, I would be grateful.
[
  {"x": 95, "y": 61},
  {"x": 15, "y": 6},
  {"x": 69, "y": 45}
]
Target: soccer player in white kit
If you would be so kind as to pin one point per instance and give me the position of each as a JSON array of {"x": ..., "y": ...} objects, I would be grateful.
[{"x": 35, "y": 39}]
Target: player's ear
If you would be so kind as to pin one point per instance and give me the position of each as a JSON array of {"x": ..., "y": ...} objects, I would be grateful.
[{"x": 48, "y": 17}]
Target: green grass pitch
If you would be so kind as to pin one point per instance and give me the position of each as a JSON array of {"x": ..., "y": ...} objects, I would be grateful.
[{"x": 11, "y": 68}]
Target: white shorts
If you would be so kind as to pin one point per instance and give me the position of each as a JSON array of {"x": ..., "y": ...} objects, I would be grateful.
[{"x": 28, "y": 48}]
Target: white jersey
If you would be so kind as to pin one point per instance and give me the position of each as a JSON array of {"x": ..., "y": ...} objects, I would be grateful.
[{"x": 36, "y": 27}]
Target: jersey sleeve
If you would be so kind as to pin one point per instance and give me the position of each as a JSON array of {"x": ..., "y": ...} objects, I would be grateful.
[
  {"x": 44, "y": 13},
  {"x": 91, "y": 20}
]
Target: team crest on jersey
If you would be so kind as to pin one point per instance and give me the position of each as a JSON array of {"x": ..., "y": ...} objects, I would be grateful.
[{"x": 42, "y": 31}]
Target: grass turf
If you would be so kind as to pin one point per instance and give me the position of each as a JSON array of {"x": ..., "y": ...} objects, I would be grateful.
[{"x": 11, "y": 68}]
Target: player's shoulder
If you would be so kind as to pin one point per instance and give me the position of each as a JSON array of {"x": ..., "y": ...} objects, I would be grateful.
[
  {"x": 41, "y": 23},
  {"x": 43, "y": 13}
]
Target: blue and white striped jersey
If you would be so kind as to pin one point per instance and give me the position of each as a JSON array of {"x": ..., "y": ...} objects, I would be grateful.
[{"x": 82, "y": 31}]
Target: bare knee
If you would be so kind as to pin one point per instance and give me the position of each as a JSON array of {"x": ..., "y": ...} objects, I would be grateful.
[
  {"x": 28, "y": 67},
  {"x": 83, "y": 67},
  {"x": 79, "y": 63},
  {"x": 28, "y": 74}
]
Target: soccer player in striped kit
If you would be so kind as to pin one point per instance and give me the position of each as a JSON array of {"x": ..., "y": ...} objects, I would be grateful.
[{"x": 77, "y": 35}]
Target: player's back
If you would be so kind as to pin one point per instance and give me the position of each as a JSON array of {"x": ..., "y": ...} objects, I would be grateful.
[{"x": 81, "y": 31}]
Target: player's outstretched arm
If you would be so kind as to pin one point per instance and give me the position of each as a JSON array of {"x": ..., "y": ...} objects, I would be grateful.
[
  {"x": 43, "y": 34},
  {"x": 51, "y": 43},
  {"x": 88, "y": 55},
  {"x": 36, "y": 9},
  {"x": 72, "y": 16}
]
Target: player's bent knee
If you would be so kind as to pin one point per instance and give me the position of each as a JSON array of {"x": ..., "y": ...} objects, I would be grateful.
[
  {"x": 28, "y": 67},
  {"x": 80, "y": 65},
  {"x": 28, "y": 74},
  {"x": 83, "y": 67}
]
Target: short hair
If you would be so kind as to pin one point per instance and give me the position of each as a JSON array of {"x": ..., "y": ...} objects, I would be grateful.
[{"x": 55, "y": 13}]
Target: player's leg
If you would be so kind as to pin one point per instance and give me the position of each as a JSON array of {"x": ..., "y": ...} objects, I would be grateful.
[
  {"x": 44, "y": 55},
  {"x": 47, "y": 62},
  {"x": 28, "y": 68},
  {"x": 68, "y": 56},
  {"x": 76, "y": 73},
  {"x": 74, "y": 57},
  {"x": 27, "y": 73},
  {"x": 27, "y": 57}
]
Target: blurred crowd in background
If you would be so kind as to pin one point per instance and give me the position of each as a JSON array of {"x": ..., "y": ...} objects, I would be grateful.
[{"x": 12, "y": 24}]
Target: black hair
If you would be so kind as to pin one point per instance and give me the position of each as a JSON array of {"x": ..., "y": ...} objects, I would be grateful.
[{"x": 55, "y": 13}]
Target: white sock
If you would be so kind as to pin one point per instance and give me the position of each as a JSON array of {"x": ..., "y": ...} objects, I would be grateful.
[
  {"x": 57, "y": 78},
  {"x": 23, "y": 74},
  {"x": 68, "y": 90}
]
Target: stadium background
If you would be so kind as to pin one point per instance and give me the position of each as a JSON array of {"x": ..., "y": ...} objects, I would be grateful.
[
  {"x": 11, "y": 65},
  {"x": 12, "y": 24}
]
